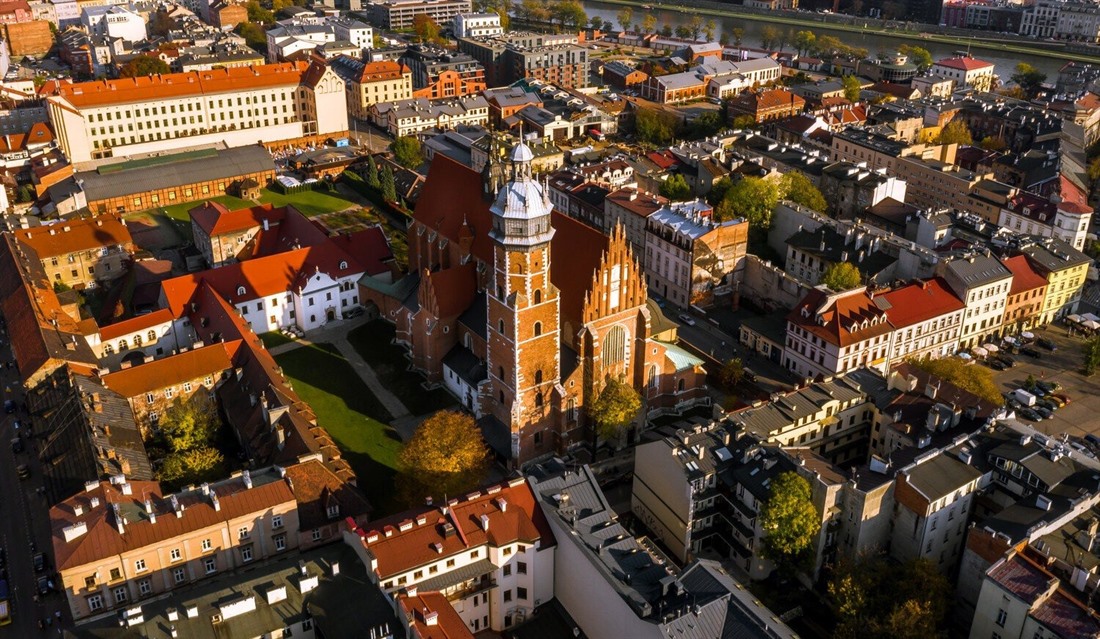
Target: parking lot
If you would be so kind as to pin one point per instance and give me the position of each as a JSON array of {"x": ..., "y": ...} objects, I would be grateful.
[{"x": 1082, "y": 415}]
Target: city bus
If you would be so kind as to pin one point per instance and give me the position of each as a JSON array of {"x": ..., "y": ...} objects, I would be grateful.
[{"x": 5, "y": 604}]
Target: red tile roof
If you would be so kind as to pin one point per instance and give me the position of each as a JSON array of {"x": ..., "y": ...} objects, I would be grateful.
[
  {"x": 137, "y": 324},
  {"x": 964, "y": 63},
  {"x": 846, "y": 318},
  {"x": 432, "y": 616},
  {"x": 368, "y": 247},
  {"x": 40, "y": 133},
  {"x": 176, "y": 85},
  {"x": 920, "y": 302},
  {"x": 216, "y": 219},
  {"x": 171, "y": 371},
  {"x": 103, "y": 539},
  {"x": 1024, "y": 278},
  {"x": 70, "y": 236},
  {"x": 452, "y": 199},
  {"x": 399, "y": 551},
  {"x": 578, "y": 249},
  {"x": 640, "y": 204}
]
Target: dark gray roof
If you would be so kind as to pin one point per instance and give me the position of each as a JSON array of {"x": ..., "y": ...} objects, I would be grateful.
[
  {"x": 1054, "y": 255},
  {"x": 772, "y": 326},
  {"x": 120, "y": 180},
  {"x": 475, "y": 317},
  {"x": 978, "y": 270},
  {"x": 941, "y": 475},
  {"x": 771, "y": 418},
  {"x": 465, "y": 364},
  {"x": 831, "y": 246}
]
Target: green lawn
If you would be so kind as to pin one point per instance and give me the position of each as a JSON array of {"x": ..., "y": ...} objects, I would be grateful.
[
  {"x": 372, "y": 342},
  {"x": 351, "y": 414},
  {"x": 310, "y": 203},
  {"x": 274, "y": 338}
]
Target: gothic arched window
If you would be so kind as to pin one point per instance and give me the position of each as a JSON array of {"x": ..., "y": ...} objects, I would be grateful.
[
  {"x": 538, "y": 399},
  {"x": 538, "y": 296},
  {"x": 538, "y": 329},
  {"x": 500, "y": 327},
  {"x": 614, "y": 346},
  {"x": 500, "y": 372},
  {"x": 538, "y": 376}
]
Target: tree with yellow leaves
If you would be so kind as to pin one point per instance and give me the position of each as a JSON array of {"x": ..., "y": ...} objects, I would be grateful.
[{"x": 446, "y": 456}]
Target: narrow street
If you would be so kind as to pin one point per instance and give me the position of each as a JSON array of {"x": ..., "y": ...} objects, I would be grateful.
[{"x": 24, "y": 528}]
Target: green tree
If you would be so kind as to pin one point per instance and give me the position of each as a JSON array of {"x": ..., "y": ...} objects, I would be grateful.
[
  {"x": 256, "y": 13},
  {"x": 977, "y": 380},
  {"x": 253, "y": 35},
  {"x": 654, "y": 127},
  {"x": 683, "y": 32},
  {"x": 191, "y": 466},
  {"x": 389, "y": 188},
  {"x": 1092, "y": 355},
  {"x": 798, "y": 188},
  {"x": 804, "y": 41},
  {"x": 666, "y": 30},
  {"x": 709, "y": 29},
  {"x": 752, "y": 198},
  {"x": 24, "y": 194},
  {"x": 696, "y": 26},
  {"x": 446, "y": 456},
  {"x": 877, "y": 599},
  {"x": 990, "y": 143},
  {"x": 852, "y": 88},
  {"x": 738, "y": 35},
  {"x": 61, "y": 287},
  {"x": 731, "y": 373},
  {"x": 718, "y": 191},
  {"x": 372, "y": 173},
  {"x": 189, "y": 424},
  {"x": 1029, "y": 79},
  {"x": 407, "y": 152},
  {"x": 143, "y": 65},
  {"x": 789, "y": 520},
  {"x": 161, "y": 23},
  {"x": 705, "y": 125},
  {"x": 770, "y": 36},
  {"x": 425, "y": 28},
  {"x": 570, "y": 14},
  {"x": 1029, "y": 383},
  {"x": 624, "y": 16},
  {"x": 956, "y": 132},
  {"x": 616, "y": 406},
  {"x": 675, "y": 188},
  {"x": 649, "y": 23},
  {"x": 841, "y": 276},
  {"x": 917, "y": 55},
  {"x": 743, "y": 121}
]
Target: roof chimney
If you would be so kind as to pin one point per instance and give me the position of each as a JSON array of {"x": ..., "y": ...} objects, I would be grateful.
[
  {"x": 119, "y": 524},
  {"x": 214, "y": 501},
  {"x": 485, "y": 522},
  {"x": 247, "y": 480}
]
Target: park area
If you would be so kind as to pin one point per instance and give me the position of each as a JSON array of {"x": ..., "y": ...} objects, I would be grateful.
[{"x": 351, "y": 414}]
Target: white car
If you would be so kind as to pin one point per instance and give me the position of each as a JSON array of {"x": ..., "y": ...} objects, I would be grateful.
[{"x": 687, "y": 319}]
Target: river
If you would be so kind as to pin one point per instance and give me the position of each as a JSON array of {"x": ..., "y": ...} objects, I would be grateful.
[{"x": 1005, "y": 65}]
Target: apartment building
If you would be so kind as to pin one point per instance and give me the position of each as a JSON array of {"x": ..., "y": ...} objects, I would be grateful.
[
  {"x": 473, "y": 25},
  {"x": 81, "y": 252},
  {"x": 154, "y": 386},
  {"x": 113, "y": 22},
  {"x": 631, "y": 207},
  {"x": 934, "y": 497},
  {"x": 927, "y": 319},
  {"x": 369, "y": 83},
  {"x": 512, "y": 56},
  {"x": 689, "y": 256},
  {"x": 443, "y": 74},
  {"x": 1024, "y": 305},
  {"x": 934, "y": 184},
  {"x": 490, "y": 553},
  {"x": 830, "y": 333},
  {"x": 983, "y": 283},
  {"x": 851, "y": 188},
  {"x": 409, "y": 117},
  {"x": 399, "y": 14},
  {"x": 767, "y": 105},
  {"x": 617, "y": 585},
  {"x": 224, "y": 236},
  {"x": 304, "y": 33},
  {"x": 966, "y": 72},
  {"x": 879, "y": 151},
  {"x": 1029, "y": 214},
  {"x": 235, "y": 106},
  {"x": 1064, "y": 268},
  {"x": 147, "y": 542},
  {"x": 832, "y": 418}
]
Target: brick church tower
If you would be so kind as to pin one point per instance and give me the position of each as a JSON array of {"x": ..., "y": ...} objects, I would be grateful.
[{"x": 524, "y": 346}]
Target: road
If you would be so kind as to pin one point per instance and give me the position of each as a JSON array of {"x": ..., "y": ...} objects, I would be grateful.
[{"x": 24, "y": 522}]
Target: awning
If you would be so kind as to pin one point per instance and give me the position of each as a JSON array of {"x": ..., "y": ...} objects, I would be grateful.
[
  {"x": 979, "y": 351},
  {"x": 1074, "y": 318},
  {"x": 458, "y": 576},
  {"x": 992, "y": 348},
  {"x": 1091, "y": 324}
]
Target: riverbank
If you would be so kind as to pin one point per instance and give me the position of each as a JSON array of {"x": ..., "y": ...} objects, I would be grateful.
[{"x": 916, "y": 36}]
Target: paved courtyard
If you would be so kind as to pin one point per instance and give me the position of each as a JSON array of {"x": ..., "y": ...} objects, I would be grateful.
[{"x": 1082, "y": 415}]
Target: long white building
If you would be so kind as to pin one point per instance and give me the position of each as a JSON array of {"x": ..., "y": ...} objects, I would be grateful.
[{"x": 236, "y": 106}]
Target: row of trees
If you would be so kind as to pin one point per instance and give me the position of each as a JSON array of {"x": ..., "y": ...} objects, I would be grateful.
[
  {"x": 808, "y": 43},
  {"x": 566, "y": 14}
]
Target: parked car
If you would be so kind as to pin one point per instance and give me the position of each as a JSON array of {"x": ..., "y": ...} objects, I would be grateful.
[
  {"x": 45, "y": 585},
  {"x": 1047, "y": 344},
  {"x": 996, "y": 364},
  {"x": 24, "y": 471},
  {"x": 9, "y": 406},
  {"x": 1062, "y": 396},
  {"x": 1031, "y": 352},
  {"x": 1045, "y": 412},
  {"x": 16, "y": 445},
  {"x": 1031, "y": 415},
  {"x": 1049, "y": 387},
  {"x": 687, "y": 319},
  {"x": 1047, "y": 404},
  {"x": 1093, "y": 439},
  {"x": 1006, "y": 360},
  {"x": 1058, "y": 403},
  {"x": 39, "y": 561}
]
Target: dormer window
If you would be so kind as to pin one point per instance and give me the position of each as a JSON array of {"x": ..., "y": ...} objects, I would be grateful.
[
  {"x": 333, "y": 511},
  {"x": 343, "y": 265},
  {"x": 240, "y": 290}
]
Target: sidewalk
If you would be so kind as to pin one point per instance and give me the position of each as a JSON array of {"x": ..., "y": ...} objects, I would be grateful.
[{"x": 337, "y": 335}]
